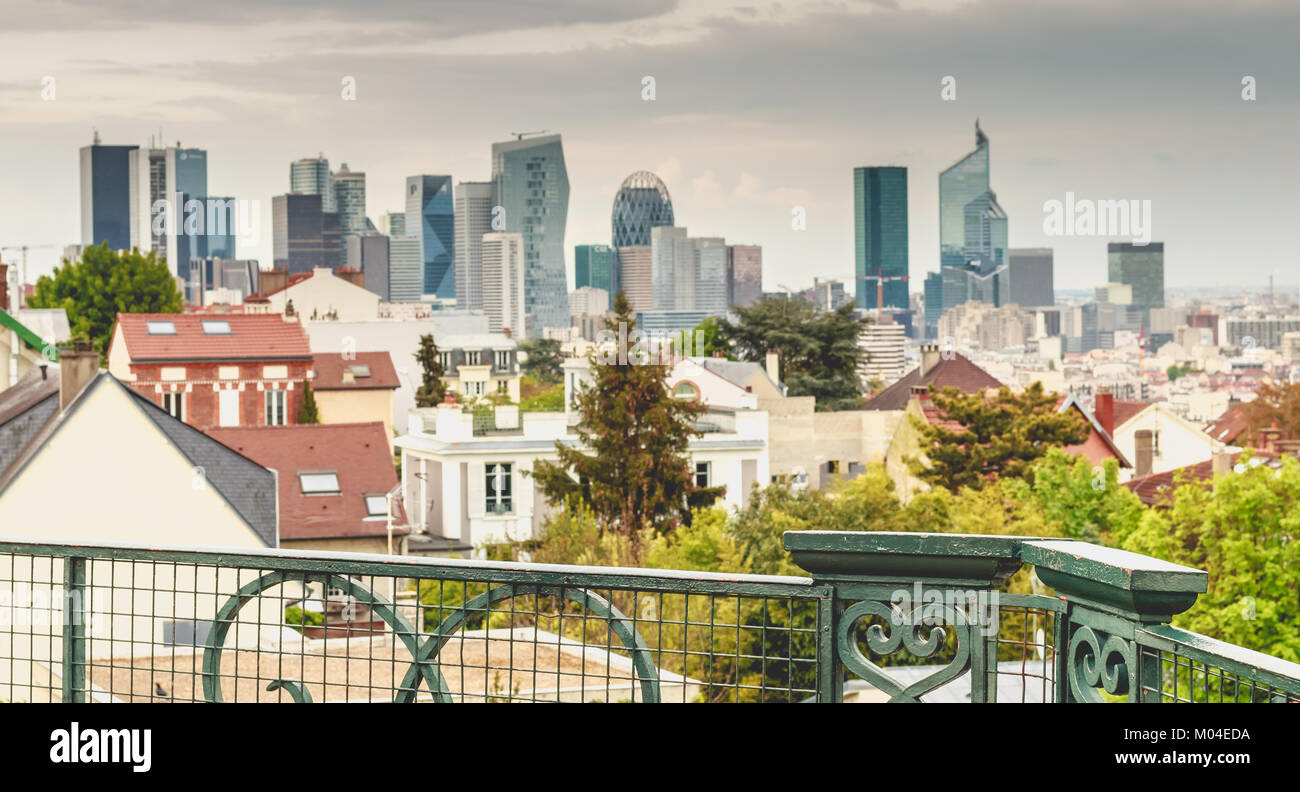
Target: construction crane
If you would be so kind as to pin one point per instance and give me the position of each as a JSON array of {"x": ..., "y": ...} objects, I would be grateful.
[
  {"x": 19, "y": 299},
  {"x": 880, "y": 279},
  {"x": 520, "y": 135}
]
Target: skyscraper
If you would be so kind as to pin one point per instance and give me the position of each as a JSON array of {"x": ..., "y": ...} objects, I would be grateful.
[
  {"x": 880, "y": 234},
  {"x": 933, "y": 303},
  {"x": 370, "y": 254},
  {"x": 744, "y": 275},
  {"x": 531, "y": 185},
  {"x": 503, "y": 281},
  {"x": 1140, "y": 266},
  {"x": 1032, "y": 284},
  {"x": 641, "y": 203},
  {"x": 595, "y": 266},
  {"x": 963, "y": 182},
  {"x": 405, "y": 269},
  {"x": 350, "y": 200},
  {"x": 312, "y": 177},
  {"x": 304, "y": 236},
  {"x": 178, "y": 176},
  {"x": 710, "y": 288},
  {"x": 672, "y": 271},
  {"x": 392, "y": 223},
  {"x": 430, "y": 215},
  {"x": 473, "y": 219},
  {"x": 636, "y": 277},
  {"x": 106, "y": 195}
]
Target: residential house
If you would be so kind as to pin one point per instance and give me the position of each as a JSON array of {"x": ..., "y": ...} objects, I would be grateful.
[
  {"x": 1175, "y": 442},
  {"x": 320, "y": 295},
  {"x": 231, "y": 370},
  {"x": 355, "y": 388},
  {"x": 482, "y": 364},
  {"x": 336, "y": 483}
]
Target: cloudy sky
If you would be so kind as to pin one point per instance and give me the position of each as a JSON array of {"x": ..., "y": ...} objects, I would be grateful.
[{"x": 758, "y": 109}]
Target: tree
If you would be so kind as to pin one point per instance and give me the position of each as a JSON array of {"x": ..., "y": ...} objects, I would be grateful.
[
  {"x": 1274, "y": 405},
  {"x": 543, "y": 360},
  {"x": 104, "y": 283},
  {"x": 1080, "y": 500},
  {"x": 630, "y": 467},
  {"x": 704, "y": 341},
  {"x": 308, "y": 412},
  {"x": 432, "y": 391},
  {"x": 998, "y": 437},
  {"x": 819, "y": 351}
]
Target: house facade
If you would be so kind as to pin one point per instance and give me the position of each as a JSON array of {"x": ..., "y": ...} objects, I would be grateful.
[
  {"x": 481, "y": 364},
  {"x": 207, "y": 370},
  {"x": 355, "y": 388},
  {"x": 316, "y": 296}
]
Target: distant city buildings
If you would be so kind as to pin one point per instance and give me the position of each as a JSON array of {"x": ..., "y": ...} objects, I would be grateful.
[
  {"x": 405, "y": 269},
  {"x": 973, "y": 240},
  {"x": 304, "y": 236},
  {"x": 473, "y": 219},
  {"x": 1032, "y": 279},
  {"x": 882, "y": 344},
  {"x": 369, "y": 253},
  {"x": 636, "y": 276},
  {"x": 880, "y": 235},
  {"x": 641, "y": 203},
  {"x": 596, "y": 266},
  {"x": 689, "y": 273},
  {"x": 1140, "y": 266},
  {"x": 311, "y": 176},
  {"x": 105, "y": 195},
  {"x": 986, "y": 326},
  {"x": 504, "y": 282},
  {"x": 588, "y": 301},
  {"x": 430, "y": 215},
  {"x": 531, "y": 185},
  {"x": 744, "y": 275}
]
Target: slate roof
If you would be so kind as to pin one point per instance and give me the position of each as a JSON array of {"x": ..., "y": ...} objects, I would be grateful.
[
  {"x": 24, "y": 409},
  {"x": 737, "y": 372},
  {"x": 357, "y": 452},
  {"x": 251, "y": 337},
  {"x": 329, "y": 367},
  {"x": 957, "y": 372}
]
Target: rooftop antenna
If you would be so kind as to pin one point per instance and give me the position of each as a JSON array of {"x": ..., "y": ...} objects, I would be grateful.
[
  {"x": 96, "y": 131},
  {"x": 520, "y": 135}
]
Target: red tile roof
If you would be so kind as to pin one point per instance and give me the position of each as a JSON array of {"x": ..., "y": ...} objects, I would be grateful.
[
  {"x": 329, "y": 368},
  {"x": 293, "y": 280},
  {"x": 1158, "y": 487},
  {"x": 251, "y": 337},
  {"x": 357, "y": 452},
  {"x": 1126, "y": 411},
  {"x": 957, "y": 372},
  {"x": 1229, "y": 426}
]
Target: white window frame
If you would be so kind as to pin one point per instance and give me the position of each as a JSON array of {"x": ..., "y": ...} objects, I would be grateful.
[
  {"x": 503, "y": 359},
  {"x": 320, "y": 488},
  {"x": 494, "y": 502},
  {"x": 173, "y": 402},
  {"x": 276, "y": 407},
  {"x": 705, "y": 468}
]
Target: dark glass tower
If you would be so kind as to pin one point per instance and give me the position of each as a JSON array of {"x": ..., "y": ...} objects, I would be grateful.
[
  {"x": 596, "y": 266},
  {"x": 640, "y": 204},
  {"x": 106, "y": 195},
  {"x": 880, "y": 234}
]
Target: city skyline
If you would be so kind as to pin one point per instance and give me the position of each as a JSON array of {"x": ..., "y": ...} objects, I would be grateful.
[{"x": 737, "y": 154}]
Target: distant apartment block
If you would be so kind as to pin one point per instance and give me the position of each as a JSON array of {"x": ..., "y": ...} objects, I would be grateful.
[
  {"x": 1032, "y": 278},
  {"x": 882, "y": 346},
  {"x": 473, "y": 219}
]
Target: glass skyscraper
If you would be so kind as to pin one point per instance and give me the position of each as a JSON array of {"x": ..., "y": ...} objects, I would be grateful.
[
  {"x": 312, "y": 177},
  {"x": 641, "y": 203},
  {"x": 1140, "y": 266},
  {"x": 531, "y": 186},
  {"x": 880, "y": 234},
  {"x": 596, "y": 266},
  {"x": 350, "y": 198},
  {"x": 430, "y": 215},
  {"x": 106, "y": 195},
  {"x": 960, "y": 184},
  {"x": 973, "y": 238}
]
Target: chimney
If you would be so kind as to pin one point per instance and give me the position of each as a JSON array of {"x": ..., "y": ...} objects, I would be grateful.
[
  {"x": 77, "y": 367},
  {"x": 1220, "y": 461},
  {"x": 1145, "y": 452},
  {"x": 1267, "y": 439},
  {"x": 272, "y": 280},
  {"x": 349, "y": 378},
  {"x": 774, "y": 366},
  {"x": 930, "y": 357},
  {"x": 1103, "y": 409}
]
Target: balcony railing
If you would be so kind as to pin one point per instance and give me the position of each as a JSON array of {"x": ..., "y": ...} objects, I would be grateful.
[{"x": 883, "y": 617}]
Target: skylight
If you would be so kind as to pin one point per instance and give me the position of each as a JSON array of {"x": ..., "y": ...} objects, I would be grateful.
[
  {"x": 376, "y": 506},
  {"x": 360, "y": 371},
  {"x": 319, "y": 483},
  {"x": 216, "y": 328},
  {"x": 161, "y": 328}
]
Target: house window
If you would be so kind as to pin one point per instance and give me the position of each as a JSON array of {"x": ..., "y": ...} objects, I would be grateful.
[
  {"x": 702, "y": 471},
  {"x": 360, "y": 372},
  {"x": 376, "y": 505},
  {"x": 216, "y": 327},
  {"x": 1155, "y": 444},
  {"x": 685, "y": 391},
  {"x": 444, "y": 360},
  {"x": 473, "y": 357},
  {"x": 503, "y": 386},
  {"x": 498, "y": 488},
  {"x": 503, "y": 360},
  {"x": 161, "y": 328},
  {"x": 473, "y": 389},
  {"x": 174, "y": 404},
  {"x": 324, "y": 483},
  {"x": 277, "y": 402}
]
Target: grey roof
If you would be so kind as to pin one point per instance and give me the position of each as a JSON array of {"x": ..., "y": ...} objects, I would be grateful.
[
  {"x": 249, "y": 488},
  {"x": 24, "y": 409},
  {"x": 737, "y": 372}
]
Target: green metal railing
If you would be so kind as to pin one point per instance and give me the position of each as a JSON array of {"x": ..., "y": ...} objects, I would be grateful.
[{"x": 883, "y": 617}]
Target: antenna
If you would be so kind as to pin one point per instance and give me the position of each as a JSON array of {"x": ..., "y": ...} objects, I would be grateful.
[
  {"x": 521, "y": 135},
  {"x": 96, "y": 131}
]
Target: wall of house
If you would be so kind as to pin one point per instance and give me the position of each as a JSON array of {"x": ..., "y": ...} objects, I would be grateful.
[
  {"x": 202, "y": 382},
  {"x": 1180, "y": 442},
  {"x": 804, "y": 438},
  {"x": 322, "y": 293},
  {"x": 357, "y": 406},
  {"x": 904, "y": 444}
]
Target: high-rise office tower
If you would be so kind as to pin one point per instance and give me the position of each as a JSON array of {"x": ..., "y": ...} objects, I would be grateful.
[
  {"x": 710, "y": 288},
  {"x": 744, "y": 275},
  {"x": 178, "y": 176},
  {"x": 641, "y": 203},
  {"x": 148, "y": 186},
  {"x": 106, "y": 195},
  {"x": 1032, "y": 284},
  {"x": 973, "y": 233},
  {"x": 350, "y": 200},
  {"x": 531, "y": 185},
  {"x": 473, "y": 219},
  {"x": 960, "y": 184},
  {"x": 636, "y": 277},
  {"x": 312, "y": 177},
  {"x": 405, "y": 269},
  {"x": 880, "y": 234},
  {"x": 503, "y": 281},
  {"x": 933, "y": 303},
  {"x": 304, "y": 237},
  {"x": 595, "y": 266},
  {"x": 392, "y": 224},
  {"x": 1140, "y": 266},
  {"x": 673, "y": 270},
  {"x": 370, "y": 254},
  {"x": 430, "y": 215}
]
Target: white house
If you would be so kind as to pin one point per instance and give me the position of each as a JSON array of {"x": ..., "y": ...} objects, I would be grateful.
[
  {"x": 1176, "y": 442},
  {"x": 318, "y": 295}
]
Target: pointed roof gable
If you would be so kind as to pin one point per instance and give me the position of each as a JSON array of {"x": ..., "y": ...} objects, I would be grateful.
[{"x": 957, "y": 372}]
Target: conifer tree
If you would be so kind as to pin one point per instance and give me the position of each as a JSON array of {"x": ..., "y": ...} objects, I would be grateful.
[{"x": 432, "y": 390}]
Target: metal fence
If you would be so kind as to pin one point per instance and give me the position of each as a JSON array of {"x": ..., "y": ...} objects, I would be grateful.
[{"x": 883, "y": 617}]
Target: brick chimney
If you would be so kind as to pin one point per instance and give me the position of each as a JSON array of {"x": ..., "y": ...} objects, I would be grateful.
[
  {"x": 1103, "y": 409},
  {"x": 1145, "y": 456},
  {"x": 930, "y": 357},
  {"x": 1220, "y": 461},
  {"x": 1268, "y": 438},
  {"x": 77, "y": 367}
]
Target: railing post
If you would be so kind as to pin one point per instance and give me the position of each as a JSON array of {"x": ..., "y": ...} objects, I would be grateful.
[
  {"x": 915, "y": 583},
  {"x": 1110, "y": 595},
  {"x": 75, "y": 612}
]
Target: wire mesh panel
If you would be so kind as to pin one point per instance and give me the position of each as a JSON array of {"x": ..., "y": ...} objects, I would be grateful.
[
  {"x": 1023, "y": 653},
  {"x": 1183, "y": 667}
]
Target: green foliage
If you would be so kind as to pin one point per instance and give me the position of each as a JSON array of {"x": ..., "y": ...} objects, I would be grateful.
[
  {"x": 1081, "y": 500},
  {"x": 432, "y": 391},
  {"x": 1242, "y": 528},
  {"x": 308, "y": 412},
  {"x": 547, "y": 400},
  {"x": 104, "y": 283},
  {"x": 635, "y": 473},
  {"x": 706, "y": 339},
  {"x": 1175, "y": 371},
  {"x": 298, "y": 617},
  {"x": 1000, "y": 437},
  {"x": 543, "y": 360},
  {"x": 819, "y": 350}
]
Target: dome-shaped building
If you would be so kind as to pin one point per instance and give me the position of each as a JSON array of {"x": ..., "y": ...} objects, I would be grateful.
[{"x": 640, "y": 204}]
